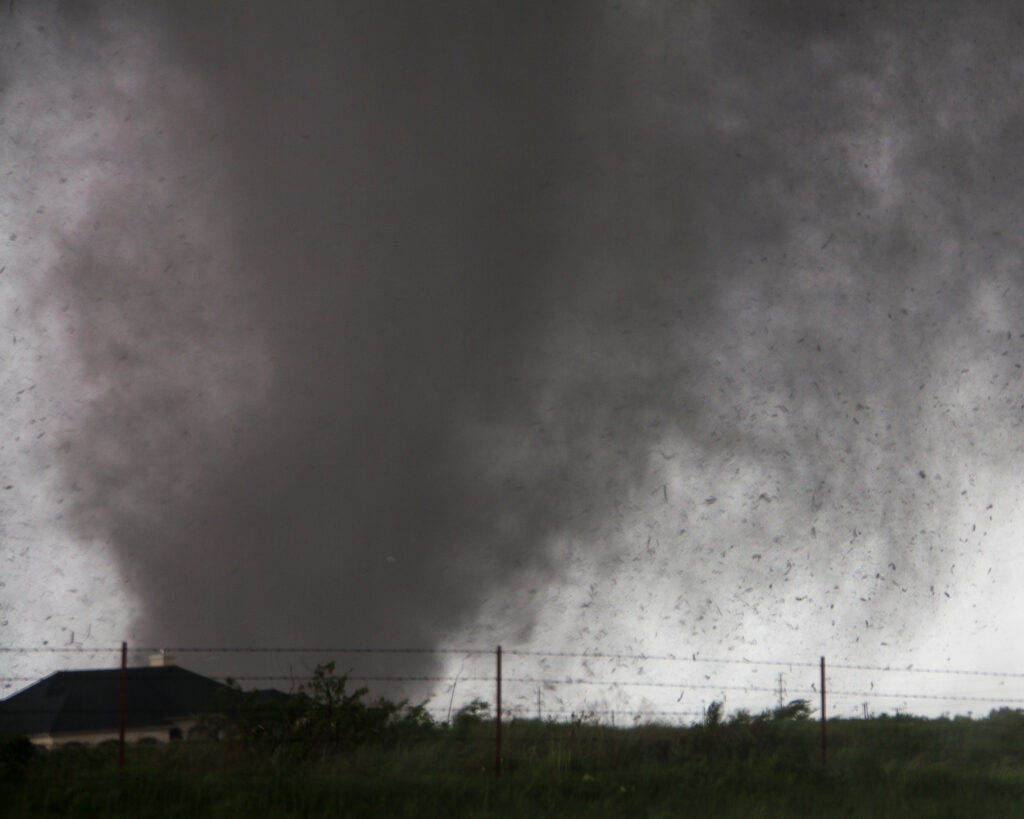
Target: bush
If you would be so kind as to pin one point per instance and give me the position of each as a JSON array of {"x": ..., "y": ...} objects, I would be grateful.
[
  {"x": 795, "y": 709},
  {"x": 15, "y": 752},
  {"x": 469, "y": 716},
  {"x": 713, "y": 716},
  {"x": 323, "y": 715}
]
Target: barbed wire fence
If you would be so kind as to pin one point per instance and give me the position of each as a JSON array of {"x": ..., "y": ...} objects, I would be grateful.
[
  {"x": 520, "y": 687},
  {"x": 617, "y": 688}
]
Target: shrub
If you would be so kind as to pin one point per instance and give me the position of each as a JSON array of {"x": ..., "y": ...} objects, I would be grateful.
[
  {"x": 323, "y": 715},
  {"x": 795, "y": 709},
  {"x": 15, "y": 752},
  {"x": 469, "y": 716}
]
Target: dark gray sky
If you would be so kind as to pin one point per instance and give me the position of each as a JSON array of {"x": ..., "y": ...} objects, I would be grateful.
[{"x": 387, "y": 327}]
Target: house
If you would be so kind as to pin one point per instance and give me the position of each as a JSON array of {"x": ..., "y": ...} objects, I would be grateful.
[{"x": 162, "y": 702}]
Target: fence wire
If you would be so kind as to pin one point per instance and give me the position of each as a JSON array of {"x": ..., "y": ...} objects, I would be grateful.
[
  {"x": 510, "y": 652},
  {"x": 525, "y": 674}
]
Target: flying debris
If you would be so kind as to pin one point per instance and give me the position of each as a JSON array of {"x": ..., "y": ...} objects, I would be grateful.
[{"x": 491, "y": 326}]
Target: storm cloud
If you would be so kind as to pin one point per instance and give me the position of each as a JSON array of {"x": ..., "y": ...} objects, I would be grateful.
[{"x": 382, "y": 318}]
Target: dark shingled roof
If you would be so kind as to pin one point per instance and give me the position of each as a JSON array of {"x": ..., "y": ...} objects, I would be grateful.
[{"x": 90, "y": 700}]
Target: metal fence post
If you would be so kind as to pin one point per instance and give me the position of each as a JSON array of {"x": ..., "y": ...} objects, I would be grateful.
[
  {"x": 497, "y": 721},
  {"x": 124, "y": 702},
  {"x": 822, "y": 710}
]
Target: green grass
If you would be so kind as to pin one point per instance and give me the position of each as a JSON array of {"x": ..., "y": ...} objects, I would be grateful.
[{"x": 746, "y": 767}]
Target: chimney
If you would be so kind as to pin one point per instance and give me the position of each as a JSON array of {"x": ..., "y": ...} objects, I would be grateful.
[{"x": 160, "y": 659}]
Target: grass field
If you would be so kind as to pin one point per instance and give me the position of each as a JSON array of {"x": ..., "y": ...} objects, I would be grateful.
[{"x": 763, "y": 766}]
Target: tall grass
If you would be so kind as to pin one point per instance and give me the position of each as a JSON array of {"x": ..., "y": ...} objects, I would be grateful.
[{"x": 746, "y": 766}]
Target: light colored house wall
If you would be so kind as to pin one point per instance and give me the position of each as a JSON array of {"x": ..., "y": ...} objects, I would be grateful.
[{"x": 160, "y": 733}]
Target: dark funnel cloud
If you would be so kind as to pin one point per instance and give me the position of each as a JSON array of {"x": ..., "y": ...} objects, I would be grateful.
[
  {"x": 392, "y": 213},
  {"x": 434, "y": 290}
]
